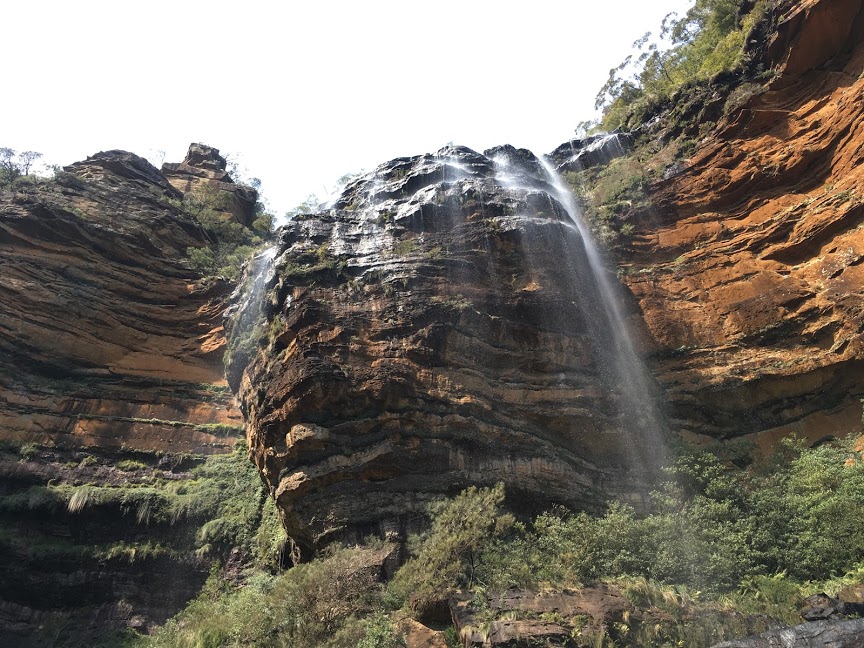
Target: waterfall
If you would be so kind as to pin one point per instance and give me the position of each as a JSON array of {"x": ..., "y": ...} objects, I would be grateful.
[
  {"x": 624, "y": 368},
  {"x": 250, "y": 294}
]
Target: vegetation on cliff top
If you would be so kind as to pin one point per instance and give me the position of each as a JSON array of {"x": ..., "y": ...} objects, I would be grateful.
[{"x": 709, "y": 39}]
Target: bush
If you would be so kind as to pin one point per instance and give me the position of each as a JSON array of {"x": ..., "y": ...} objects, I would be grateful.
[
  {"x": 232, "y": 244},
  {"x": 453, "y": 552},
  {"x": 310, "y": 606}
]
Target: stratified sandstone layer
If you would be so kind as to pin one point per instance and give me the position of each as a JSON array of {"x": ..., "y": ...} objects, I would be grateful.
[
  {"x": 437, "y": 328},
  {"x": 106, "y": 338},
  {"x": 204, "y": 173},
  {"x": 111, "y": 374},
  {"x": 749, "y": 268}
]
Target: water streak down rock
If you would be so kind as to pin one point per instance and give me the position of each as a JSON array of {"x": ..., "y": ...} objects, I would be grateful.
[{"x": 436, "y": 328}]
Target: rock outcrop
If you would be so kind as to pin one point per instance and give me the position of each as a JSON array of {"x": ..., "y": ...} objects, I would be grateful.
[
  {"x": 439, "y": 327},
  {"x": 819, "y": 634},
  {"x": 204, "y": 173},
  {"x": 748, "y": 267}
]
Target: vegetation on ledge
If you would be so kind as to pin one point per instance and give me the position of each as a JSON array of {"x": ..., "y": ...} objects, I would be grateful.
[
  {"x": 232, "y": 243},
  {"x": 710, "y": 39}
]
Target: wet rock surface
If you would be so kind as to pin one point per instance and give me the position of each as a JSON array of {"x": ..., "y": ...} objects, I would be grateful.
[
  {"x": 597, "y": 150},
  {"x": 436, "y": 328},
  {"x": 819, "y": 634}
]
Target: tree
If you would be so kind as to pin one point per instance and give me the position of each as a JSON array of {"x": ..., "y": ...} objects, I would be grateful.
[
  {"x": 462, "y": 530},
  {"x": 13, "y": 165},
  {"x": 8, "y": 169},
  {"x": 709, "y": 38},
  {"x": 26, "y": 160}
]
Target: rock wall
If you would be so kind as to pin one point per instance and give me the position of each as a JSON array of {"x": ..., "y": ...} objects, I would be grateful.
[
  {"x": 437, "y": 328},
  {"x": 748, "y": 267},
  {"x": 107, "y": 339},
  {"x": 111, "y": 375}
]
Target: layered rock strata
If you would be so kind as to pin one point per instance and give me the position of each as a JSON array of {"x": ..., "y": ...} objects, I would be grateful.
[
  {"x": 748, "y": 268},
  {"x": 111, "y": 376},
  {"x": 107, "y": 340},
  {"x": 204, "y": 173},
  {"x": 438, "y": 327}
]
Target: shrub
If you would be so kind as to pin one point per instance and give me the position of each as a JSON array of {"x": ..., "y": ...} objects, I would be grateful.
[
  {"x": 28, "y": 451},
  {"x": 451, "y": 554},
  {"x": 310, "y": 606},
  {"x": 231, "y": 243}
]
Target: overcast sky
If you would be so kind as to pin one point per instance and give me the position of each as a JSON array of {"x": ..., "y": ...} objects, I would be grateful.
[{"x": 304, "y": 92}]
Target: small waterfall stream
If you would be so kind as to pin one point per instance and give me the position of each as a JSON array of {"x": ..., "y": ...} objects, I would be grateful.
[
  {"x": 625, "y": 369},
  {"x": 251, "y": 292}
]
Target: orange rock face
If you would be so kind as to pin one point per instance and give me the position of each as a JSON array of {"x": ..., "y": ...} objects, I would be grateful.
[
  {"x": 204, "y": 173},
  {"x": 750, "y": 275},
  {"x": 106, "y": 339}
]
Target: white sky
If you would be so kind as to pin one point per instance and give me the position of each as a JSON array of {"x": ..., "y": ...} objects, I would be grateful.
[{"x": 304, "y": 92}]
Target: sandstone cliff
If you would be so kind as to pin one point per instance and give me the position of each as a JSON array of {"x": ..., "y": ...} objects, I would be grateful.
[
  {"x": 436, "y": 327},
  {"x": 747, "y": 267},
  {"x": 204, "y": 173},
  {"x": 107, "y": 340},
  {"x": 111, "y": 378}
]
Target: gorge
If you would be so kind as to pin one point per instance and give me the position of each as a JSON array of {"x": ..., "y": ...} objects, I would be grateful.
[{"x": 562, "y": 324}]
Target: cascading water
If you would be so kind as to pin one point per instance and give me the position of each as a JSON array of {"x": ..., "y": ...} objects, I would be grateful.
[
  {"x": 249, "y": 307},
  {"x": 625, "y": 369}
]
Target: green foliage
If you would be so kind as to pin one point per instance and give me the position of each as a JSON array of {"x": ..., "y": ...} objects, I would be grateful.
[
  {"x": 28, "y": 451},
  {"x": 223, "y": 501},
  {"x": 232, "y": 243},
  {"x": 308, "y": 206},
  {"x": 313, "y": 605},
  {"x": 719, "y": 543},
  {"x": 610, "y": 194},
  {"x": 130, "y": 465},
  {"x": 380, "y": 634},
  {"x": 707, "y": 40},
  {"x": 15, "y": 165},
  {"x": 454, "y": 549}
]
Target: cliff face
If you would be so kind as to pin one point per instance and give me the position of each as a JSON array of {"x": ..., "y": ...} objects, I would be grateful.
[
  {"x": 203, "y": 173},
  {"x": 748, "y": 267},
  {"x": 107, "y": 341},
  {"x": 437, "y": 328},
  {"x": 111, "y": 377}
]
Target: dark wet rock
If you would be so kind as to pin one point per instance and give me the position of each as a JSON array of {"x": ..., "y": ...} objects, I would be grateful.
[
  {"x": 519, "y": 160},
  {"x": 818, "y": 634},
  {"x": 436, "y": 328},
  {"x": 821, "y": 606},
  {"x": 597, "y": 150}
]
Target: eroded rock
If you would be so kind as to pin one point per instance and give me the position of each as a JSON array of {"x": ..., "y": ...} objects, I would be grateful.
[
  {"x": 438, "y": 327},
  {"x": 204, "y": 173}
]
